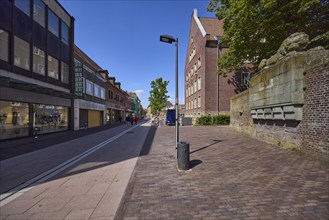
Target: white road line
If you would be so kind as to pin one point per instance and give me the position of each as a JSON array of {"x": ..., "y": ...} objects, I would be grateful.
[{"x": 24, "y": 187}]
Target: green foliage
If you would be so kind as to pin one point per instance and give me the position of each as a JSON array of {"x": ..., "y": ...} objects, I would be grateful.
[
  {"x": 158, "y": 95},
  {"x": 221, "y": 120},
  {"x": 214, "y": 120},
  {"x": 254, "y": 29},
  {"x": 204, "y": 120},
  {"x": 321, "y": 40}
]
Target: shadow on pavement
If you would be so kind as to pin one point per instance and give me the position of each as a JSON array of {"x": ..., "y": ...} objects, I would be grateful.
[
  {"x": 98, "y": 160},
  {"x": 148, "y": 141},
  {"x": 205, "y": 147},
  {"x": 194, "y": 163}
]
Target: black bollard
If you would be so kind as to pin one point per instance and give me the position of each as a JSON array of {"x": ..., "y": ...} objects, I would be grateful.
[{"x": 183, "y": 155}]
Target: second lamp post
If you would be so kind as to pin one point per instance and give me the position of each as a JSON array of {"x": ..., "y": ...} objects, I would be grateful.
[{"x": 170, "y": 39}]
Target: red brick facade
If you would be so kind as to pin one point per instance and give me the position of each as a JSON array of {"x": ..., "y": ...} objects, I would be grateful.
[
  {"x": 201, "y": 80},
  {"x": 313, "y": 130}
]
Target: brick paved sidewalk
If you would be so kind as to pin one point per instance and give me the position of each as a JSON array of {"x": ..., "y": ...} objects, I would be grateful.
[{"x": 233, "y": 177}]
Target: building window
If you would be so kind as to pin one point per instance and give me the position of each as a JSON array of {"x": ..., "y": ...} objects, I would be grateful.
[
  {"x": 245, "y": 78},
  {"x": 4, "y": 45},
  {"x": 23, "y": 5},
  {"x": 199, "y": 83},
  {"x": 96, "y": 90},
  {"x": 89, "y": 87},
  {"x": 65, "y": 73},
  {"x": 195, "y": 67},
  {"x": 39, "y": 61},
  {"x": 65, "y": 33},
  {"x": 53, "y": 23},
  {"x": 21, "y": 53},
  {"x": 39, "y": 12},
  {"x": 102, "y": 93},
  {"x": 195, "y": 86},
  {"x": 52, "y": 67},
  {"x": 199, "y": 101},
  {"x": 199, "y": 62}
]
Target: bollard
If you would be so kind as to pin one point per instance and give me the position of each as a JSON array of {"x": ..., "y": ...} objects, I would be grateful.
[
  {"x": 36, "y": 133},
  {"x": 183, "y": 155}
]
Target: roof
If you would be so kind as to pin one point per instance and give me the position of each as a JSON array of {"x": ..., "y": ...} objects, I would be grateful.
[{"x": 212, "y": 26}]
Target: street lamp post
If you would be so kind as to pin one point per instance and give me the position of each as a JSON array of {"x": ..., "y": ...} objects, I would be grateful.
[{"x": 170, "y": 39}]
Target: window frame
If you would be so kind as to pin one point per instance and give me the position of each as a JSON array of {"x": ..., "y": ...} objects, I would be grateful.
[
  {"x": 56, "y": 74},
  {"x": 6, "y": 45},
  {"x": 88, "y": 82},
  {"x": 50, "y": 29},
  {"x": 62, "y": 73},
  {"x": 35, "y": 4},
  {"x": 65, "y": 41},
  {"x": 27, "y": 62},
  {"x": 42, "y": 54},
  {"x": 20, "y": 6}
]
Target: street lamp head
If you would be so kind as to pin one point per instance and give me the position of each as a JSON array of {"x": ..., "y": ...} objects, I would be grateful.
[{"x": 167, "y": 39}]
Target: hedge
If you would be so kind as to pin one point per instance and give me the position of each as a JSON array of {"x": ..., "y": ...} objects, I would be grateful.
[{"x": 214, "y": 120}]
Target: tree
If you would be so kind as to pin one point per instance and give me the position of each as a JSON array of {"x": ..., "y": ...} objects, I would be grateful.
[
  {"x": 158, "y": 98},
  {"x": 254, "y": 29}
]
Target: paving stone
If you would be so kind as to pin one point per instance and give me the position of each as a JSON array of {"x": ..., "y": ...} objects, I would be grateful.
[{"x": 234, "y": 177}]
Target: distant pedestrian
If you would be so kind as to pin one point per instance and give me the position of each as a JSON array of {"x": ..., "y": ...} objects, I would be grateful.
[
  {"x": 132, "y": 120},
  {"x": 128, "y": 120},
  {"x": 120, "y": 118},
  {"x": 135, "y": 119}
]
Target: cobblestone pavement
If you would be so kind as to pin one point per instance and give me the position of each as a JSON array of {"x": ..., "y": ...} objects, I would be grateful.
[{"x": 232, "y": 177}]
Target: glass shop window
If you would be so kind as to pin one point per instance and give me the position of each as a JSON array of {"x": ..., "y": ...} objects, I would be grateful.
[{"x": 14, "y": 119}]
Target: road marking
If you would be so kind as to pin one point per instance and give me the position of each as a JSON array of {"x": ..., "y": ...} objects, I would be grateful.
[{"x": 26, "y": 186}]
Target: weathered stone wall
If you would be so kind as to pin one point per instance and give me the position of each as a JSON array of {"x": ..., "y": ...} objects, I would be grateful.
[
  {"x": 240, "y": 117},
  {"x": 297, "y": 120},
  {"x": 313, "y": 130}
]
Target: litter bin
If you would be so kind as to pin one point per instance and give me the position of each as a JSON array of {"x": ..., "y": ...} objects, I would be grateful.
[{"x": 183, "y": 155}]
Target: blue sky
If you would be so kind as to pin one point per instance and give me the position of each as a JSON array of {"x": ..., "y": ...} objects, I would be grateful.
[{"x": 123, "y": 37}]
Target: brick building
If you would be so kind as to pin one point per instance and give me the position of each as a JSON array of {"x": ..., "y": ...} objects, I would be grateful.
[
  {"x": 116, "y": 99},
  {"x": 207, "y": 93},
  {"x": 36, "y": 64}
]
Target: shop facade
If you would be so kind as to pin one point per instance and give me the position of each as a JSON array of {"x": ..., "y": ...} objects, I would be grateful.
[
  {"x": 89, "y": 102},
  {"x": 36, "y": 65},
  {"x": 26, "y": 113}
]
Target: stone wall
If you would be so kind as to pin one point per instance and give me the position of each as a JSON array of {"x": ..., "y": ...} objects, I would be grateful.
[
  {"x": 297, "y": 120},
  {"x": 240, "y": 117}
]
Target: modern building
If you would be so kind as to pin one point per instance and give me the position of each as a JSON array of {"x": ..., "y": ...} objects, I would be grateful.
[
  {"x": 36, "y": 64},
  {"x": 207, "y": 93},
  {"x": 89, "y": 101}
]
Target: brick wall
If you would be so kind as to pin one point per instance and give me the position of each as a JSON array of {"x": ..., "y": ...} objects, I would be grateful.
[{"x": 313, "y": 130}]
